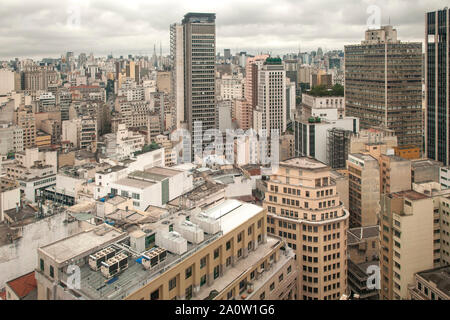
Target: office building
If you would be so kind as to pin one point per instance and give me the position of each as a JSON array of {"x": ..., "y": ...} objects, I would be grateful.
[
  {"x": 436, "y": 90},
  {"x": 383, "y": 84}
]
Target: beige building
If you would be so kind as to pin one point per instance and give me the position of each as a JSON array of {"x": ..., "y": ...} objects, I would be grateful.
[
  {"x": 431, "y": 284},
  {"x": 228, "y": 256},
  {"x": 406, "y": 241},
  {"x": 24, "y": 118},
  {"x": 364, "y": 189},
  {"x": 305, "y": 210}
]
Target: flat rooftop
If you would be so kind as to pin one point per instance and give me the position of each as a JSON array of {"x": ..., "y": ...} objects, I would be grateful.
[
  {"x": 356, "y": 235},
  {"x": 112, "y": 169},
  {"x": 425, "y": 163},
  {"x": 440, "y": 277},
  {"x": 134, "y": 183},
  {"x": 232, "y": 213},
  {"x": 363, "y": 157},
  {"x": 167, "y": 172},
  {"x": 304, "y": 163},
  {"x": 81, "y": 243},
  {"x": 409, "y": 194}
]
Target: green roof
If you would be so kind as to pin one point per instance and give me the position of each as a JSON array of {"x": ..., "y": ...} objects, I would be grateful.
[{"x": 273, "y": 61}]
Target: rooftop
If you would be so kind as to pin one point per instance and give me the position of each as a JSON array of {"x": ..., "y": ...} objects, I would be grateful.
[
  {"x": 440, "y": 277},
  {"x": 425, "y": 163},
  {"x": 362, "y": 156},
  {"x": 80, "y": 244},
  {"x": 24, "y": 286},
  {"x": 134, "y": 182},
  {"x": 356, "y": 235},
  {"x": 410, "y": 195},
  {"x": 304, "y": 163}
]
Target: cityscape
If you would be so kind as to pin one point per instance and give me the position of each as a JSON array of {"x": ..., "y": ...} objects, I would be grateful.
[{"x": 203, "y": 167}]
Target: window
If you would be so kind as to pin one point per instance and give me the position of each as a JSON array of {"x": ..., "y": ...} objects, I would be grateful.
[
  {"x": 188, "y": 272},
  {"x": 239, "y": 253},
  {"x": 228, "y": 262},
  {"x": 239, "y": 237},
  {"x": 280, "y": 278},
  {"x": 52, "y": 272},
  {"x": 230, "y": 294},
  {"x": 136, "y": 196},
  {"x": 216, "y": 272},
  {"x": 272, "y": 286},
  {"x": 289, "y": 269},
  {"x": 262, "y": 296},
  {"x": 202, "y": 262},
  {"x": 203, "y": 280},
  {"x": 172, "y": 283},
  {"x": 216, "y": 253},
  {"x": 188, "y": 293},
  {"x": 242, "y": 286},
  {"x": 42, "y": 265},
  {"x": 228, "y": 245}
]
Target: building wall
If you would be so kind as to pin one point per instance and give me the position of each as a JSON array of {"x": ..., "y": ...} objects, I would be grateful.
[
  {"x": 309, "y": 230},
  {"x": 406, "y": 235},
  {"x": 20, "y": 257}
]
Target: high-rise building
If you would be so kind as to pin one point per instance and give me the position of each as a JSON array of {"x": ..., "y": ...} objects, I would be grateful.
[
  {"x": 436, "y": 81},
  {"x": 406, "y": 241},
  {"x": 383, "y": 84},
  {"x": 272, "y": 95},
  {"x": 227, "y": 54},
  {"x": 199, "y": 47},
  {"x": 252, "y": 66},
  {"x": 305, "y": 210},
  {"x": 177, "y": 61}
]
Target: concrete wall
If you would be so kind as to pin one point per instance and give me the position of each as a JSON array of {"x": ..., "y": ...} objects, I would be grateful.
[{"x": 20, "y": 257}]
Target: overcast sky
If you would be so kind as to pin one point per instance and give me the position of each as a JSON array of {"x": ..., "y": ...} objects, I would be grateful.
[{"x": 47, "y": 28}]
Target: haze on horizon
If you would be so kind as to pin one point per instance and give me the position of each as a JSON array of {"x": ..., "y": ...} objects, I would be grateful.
[{"x": 48, "y": 28}]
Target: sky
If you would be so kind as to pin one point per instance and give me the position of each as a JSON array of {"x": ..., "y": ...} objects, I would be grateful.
[{"x": 49, "y": 28}]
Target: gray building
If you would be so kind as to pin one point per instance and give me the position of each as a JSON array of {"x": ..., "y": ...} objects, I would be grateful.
[
  {"x": 199, "y": 47},
  {"x": 383, "y": 84}
]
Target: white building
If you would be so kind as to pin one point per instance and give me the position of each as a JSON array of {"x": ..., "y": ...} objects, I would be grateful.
[
  {"x": 315, "y": 105},
  {"x": 122, "y": 144},
  {"x": 311, "y": 136},
  {"x": 7, "y": 81},
  {"x": 272, "y": 95},
  {"x": 152, "y": 187}
]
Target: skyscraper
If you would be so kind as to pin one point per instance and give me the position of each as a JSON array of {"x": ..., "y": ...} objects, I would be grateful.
[
  {"x": 177, "y": 61},
  {"x": 199, "y": 47},
  {"x": 436, "y": 79},
  {"x": 272, "y": 95},
  {"x": 383, "y": 84}
]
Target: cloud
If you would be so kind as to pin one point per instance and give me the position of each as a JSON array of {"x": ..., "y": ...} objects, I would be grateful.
[{"x": 30, "y": 28}]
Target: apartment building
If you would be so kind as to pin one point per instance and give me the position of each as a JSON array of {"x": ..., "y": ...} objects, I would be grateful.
[
  {"x": 24, "y": 119},
  {"x": 406, "y": 241},
  {"x": 305, "y": 210},
  {"x": 223, "y": 253}
]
